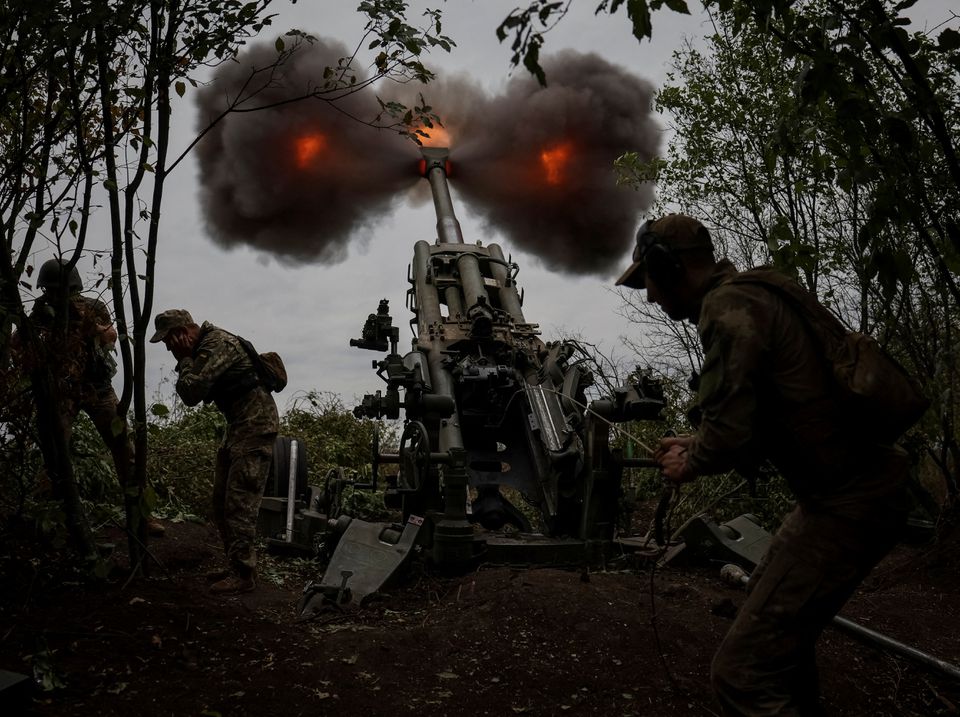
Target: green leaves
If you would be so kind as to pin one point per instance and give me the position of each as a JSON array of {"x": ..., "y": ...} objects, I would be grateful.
[
  {"x": 892, "y": 268},
  {"x": 676, "y": 5},
  {"x": 45, "y": 672},
  {"x": 639, "y": 14},
  {"x": 527, "y": 27},
  {"x": 633, "y": 171},
  {"x": 949, "y": 40}
]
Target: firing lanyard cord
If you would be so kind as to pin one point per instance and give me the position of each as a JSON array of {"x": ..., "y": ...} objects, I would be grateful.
[{"x": 672, "y": 496}]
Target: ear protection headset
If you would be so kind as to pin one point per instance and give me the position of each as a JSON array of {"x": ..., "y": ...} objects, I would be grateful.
[
  {"x": 660, "y": 261},
  {"x": 660, "y": 258}
]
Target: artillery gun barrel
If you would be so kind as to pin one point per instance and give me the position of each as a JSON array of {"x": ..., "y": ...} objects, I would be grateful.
[
  {"x": 436, "y": 163},
  {"x": 430, "y": 319}
]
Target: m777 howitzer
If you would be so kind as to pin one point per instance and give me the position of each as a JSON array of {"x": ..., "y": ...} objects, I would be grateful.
[{"x": 487, "y": 406}]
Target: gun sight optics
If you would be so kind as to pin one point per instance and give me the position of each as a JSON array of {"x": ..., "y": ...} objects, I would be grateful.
[{"x": 378, "y": 330}]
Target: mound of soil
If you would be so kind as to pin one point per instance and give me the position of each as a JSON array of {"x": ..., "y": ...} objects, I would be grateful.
[{"x": 498, "y": 641}]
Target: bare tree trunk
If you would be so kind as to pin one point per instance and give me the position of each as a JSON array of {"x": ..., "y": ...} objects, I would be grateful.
[{"x": 132, "y": 489}]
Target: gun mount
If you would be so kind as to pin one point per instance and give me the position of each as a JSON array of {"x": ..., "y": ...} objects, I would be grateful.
[{"x": 488, "y": 405}]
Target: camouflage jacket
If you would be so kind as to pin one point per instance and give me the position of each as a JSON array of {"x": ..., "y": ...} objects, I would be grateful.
[
  {"x": 220, "y": 371},
  {"x": 766, "y": 393},
  {"x": 82, "y": 358}
]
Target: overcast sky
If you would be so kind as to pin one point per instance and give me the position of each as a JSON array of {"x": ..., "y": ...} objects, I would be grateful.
[{"x": 309, "y": 312}]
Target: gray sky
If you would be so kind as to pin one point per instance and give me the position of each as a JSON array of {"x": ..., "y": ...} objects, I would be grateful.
[{"x": 308, "y": 313}]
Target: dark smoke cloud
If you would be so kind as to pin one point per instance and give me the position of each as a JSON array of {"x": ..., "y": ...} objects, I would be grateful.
[
  {"x": 255, "y": 193},
  {"x": 584, "y": 222},
  {"x": 254, "y": 189}
]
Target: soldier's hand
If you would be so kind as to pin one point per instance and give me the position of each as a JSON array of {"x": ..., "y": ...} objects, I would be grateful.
[
  {"x": 673, "y": 463},
  {"x": 667, "y": 442},
  {"x": 180, "y": 345}
]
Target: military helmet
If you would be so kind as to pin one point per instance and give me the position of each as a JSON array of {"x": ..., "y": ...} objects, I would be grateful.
[{"x": 51, "y": 276}]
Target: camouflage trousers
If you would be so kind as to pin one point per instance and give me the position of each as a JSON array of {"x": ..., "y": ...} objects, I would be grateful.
[
  {"x": 766, "y": 664},
  {"x": 100, "y": 404},
  {"x": 243, "y": 465}
]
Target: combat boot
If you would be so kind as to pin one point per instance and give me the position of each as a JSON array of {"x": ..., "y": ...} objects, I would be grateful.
[{"x": 234, "y": 585}]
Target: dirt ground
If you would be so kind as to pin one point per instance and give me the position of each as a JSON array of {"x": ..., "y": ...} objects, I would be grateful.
[{"x": 498, "y": 641}]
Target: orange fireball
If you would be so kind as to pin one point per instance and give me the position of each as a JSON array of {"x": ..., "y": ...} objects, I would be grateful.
[
  {"x": 554, "y": 161},
  {"x": 308, "y": 147},
  {"x": 437, "y": 136}
]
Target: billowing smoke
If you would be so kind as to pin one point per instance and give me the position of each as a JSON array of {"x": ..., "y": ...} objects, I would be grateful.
[
  {"x": 298, "y": 179},
  {"x": 301, "y": 178},
  {"x": 536, "y": 163}
]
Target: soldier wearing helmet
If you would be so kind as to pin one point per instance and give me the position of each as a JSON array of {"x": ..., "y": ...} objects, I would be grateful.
[
  {"x": 78, "y": 336},
  {"x": 766, "y": 394},
  {"x": 51, "y": 277}
]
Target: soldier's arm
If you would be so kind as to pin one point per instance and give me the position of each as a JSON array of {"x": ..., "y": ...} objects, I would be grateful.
[
  {"x": 106, "y": 331},
  {"x": 198, "y": 373},
  {"x": 735, "y": 328}
]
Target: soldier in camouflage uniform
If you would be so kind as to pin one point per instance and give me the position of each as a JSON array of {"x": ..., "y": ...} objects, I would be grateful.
[
  {"x": 213, "y": 366},
  {"x": 83, "y": 349},
  {"x": 766, "y": 392}
]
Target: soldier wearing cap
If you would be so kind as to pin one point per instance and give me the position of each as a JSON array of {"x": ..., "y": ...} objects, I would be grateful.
[
  {"x": 212, "y": 366},
  {"x": 82, "y": 349},
  {"x": 765, "y": 394}
]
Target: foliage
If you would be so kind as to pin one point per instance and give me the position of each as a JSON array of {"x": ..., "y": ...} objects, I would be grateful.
[
  {"x": 183, "y": 452},
  {"x": 365, "y": 505},
  {"x": 333, "y": 435},
  {"x": 43, "y": 666}
]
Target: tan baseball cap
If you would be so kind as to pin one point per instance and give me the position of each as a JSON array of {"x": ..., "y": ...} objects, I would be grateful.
[
  {"x": 168, "y": 320},
  {"x": 677, "y": 232}
]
